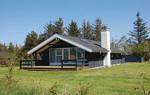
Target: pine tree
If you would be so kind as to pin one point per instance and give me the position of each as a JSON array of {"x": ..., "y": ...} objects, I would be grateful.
[
  {"x": 73, "y": 30},
  {"x": 98, "y": 28},
  {"x": 11, "y": 47},
  {"x": 59, "y": 26},
  {"x": 49, "y": 30},
  {"x": 140, "y": 32},
  {"x": 31, "y": 40},
  {"x": 86, "y": 30}
]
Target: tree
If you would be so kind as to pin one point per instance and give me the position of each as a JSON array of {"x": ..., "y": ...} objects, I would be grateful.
[
  {"x": 11, "y": 47},
  {"x": 86, "y": 30},
  {"x": 3, "y": 47},
  {"x": 98, "y": 28},
  {"x": 59, "y": 26},
  {"x": 140, "y": 32},
  {"x": 73, "y": 30},
  {"x": 49, "y": 30},
  {"x": 16, "y": 48},
  {"x": 141, "y": 50},
  {"x": 122, "y": 44},
  {"x": 42, "y": 37},
  {"x": 31, "y": 41}
]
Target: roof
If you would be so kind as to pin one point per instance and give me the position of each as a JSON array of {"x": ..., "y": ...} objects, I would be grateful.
[
  {"x": 85, "y": 44},
  {"x": 91, "y": 44},
  {"x": 116, "y": 50},
  {"x": 147, "y": 39}
]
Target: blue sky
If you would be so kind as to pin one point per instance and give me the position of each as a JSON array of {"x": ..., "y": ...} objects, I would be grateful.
[{"x": 19, "y": 17}]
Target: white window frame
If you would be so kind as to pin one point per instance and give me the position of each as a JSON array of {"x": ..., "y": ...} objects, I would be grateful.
[{"x": 62, "y": 54}]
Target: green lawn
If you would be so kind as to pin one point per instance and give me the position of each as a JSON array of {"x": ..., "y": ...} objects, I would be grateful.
[{"x": 117, "y": 80}]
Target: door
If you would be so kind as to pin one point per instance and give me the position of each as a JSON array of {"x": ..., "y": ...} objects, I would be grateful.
[
  {"x": 55, "y": 56},
  {"x": 59, "y": 56},
  {"x": 52, "y": 56}
]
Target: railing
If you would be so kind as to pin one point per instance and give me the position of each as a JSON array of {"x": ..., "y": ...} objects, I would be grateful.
[
  {"x": 68, "y": 63},
  {"x": 64, "y": 63},
  {"x": 27, "y": 63},
  {"x": 82, "y": 62},
  {"x": 95, "y": 63},
  {"x": 76, "y": 63},
  {"x": 100, "y": 63},
  {"x": 117, "y": 61}
]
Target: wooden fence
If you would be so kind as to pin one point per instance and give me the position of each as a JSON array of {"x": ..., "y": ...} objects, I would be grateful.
[{"x": 27, "y": 63}]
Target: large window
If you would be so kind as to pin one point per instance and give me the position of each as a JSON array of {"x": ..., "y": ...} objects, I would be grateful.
[
  {"x": 80, "y": 53},
  {"x": 52, "y": 55},
  {"x": 66, "y": 54},
  {"x": 58, "y": 55},
  {"x": 59, "y": 52},
  {"x": 72, "y": 53}
]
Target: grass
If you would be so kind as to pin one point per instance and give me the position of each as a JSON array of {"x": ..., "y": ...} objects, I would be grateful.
[{"x": 118, "y": 80}]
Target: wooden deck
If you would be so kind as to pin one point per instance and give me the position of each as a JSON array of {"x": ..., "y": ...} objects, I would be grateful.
[
  {"x": 30, "y": 65},
  {"x": 50, "y": 68}
]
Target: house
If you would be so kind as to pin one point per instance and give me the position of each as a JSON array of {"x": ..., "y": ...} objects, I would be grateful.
[
  {"x": 61, "y": 50},
  {"x": 3, "y": 57}
]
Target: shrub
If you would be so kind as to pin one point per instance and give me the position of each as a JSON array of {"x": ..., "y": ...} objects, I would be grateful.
[
  {"x": 83, "y": 89},
  {"x": 53, "y": 90},
  {"x": 142, "y": 85}
]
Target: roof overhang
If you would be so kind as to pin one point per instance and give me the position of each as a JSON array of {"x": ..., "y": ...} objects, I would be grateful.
[{"x": 61, "y": 38}]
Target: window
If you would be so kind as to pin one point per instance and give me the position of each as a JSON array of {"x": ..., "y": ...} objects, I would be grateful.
[
  {"x": 66, "y": 54},
  {"x": 59, "y": 52},
  {"x": 80, "y": 53},
  {"x": 52, "y": 55},
  {"x": 58, "y": 59},
  {"x": 72, "y": 53},
  {"x": 58, "y": 55}
]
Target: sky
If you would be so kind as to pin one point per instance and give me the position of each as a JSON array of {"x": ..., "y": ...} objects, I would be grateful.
[{"x": 20, "y": 17}]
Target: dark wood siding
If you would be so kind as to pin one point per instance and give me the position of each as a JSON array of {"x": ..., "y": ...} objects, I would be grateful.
[
  {"x": 116, "y": 56},
  {"x": 94, "y": 56},
  {"x": 61, "y": 44},
  {"x": 44, "y": 58}
]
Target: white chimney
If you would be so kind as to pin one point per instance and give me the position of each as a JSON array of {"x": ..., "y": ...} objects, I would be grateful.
[{"x": 105, "y": 43}]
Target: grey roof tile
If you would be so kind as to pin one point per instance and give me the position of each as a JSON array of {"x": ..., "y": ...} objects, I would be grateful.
[{"x": 94, "y": 45}]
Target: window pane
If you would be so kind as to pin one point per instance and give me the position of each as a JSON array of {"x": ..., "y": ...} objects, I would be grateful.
[
  {"x": 72, "y": 53},
  {"x": 66, "y": 54},
  {"x": 59, "y": 58},
  {"x": 52, "y": 55},
  {"x": 59, "y": 51},
  {"x": 80, "y": 53}
]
